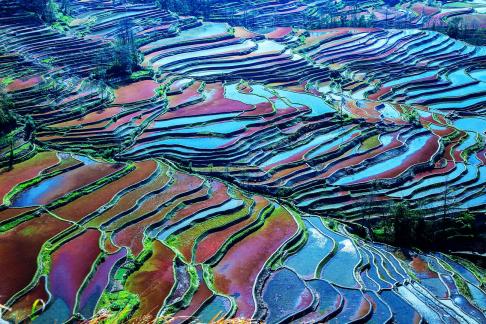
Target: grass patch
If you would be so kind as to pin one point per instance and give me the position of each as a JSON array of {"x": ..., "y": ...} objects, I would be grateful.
[
  {"x": 48, "y": 60},
  {"x": 6, "y": 81},
  {"x": 140, "y": 74},
  {"x": 117, "y": 307},
  {"x": 16, "y": 221},
  {"x": 370, "y": 143}
]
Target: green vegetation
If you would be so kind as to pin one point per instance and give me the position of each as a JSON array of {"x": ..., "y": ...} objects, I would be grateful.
[
  {"x": 140, "y": 75},
  {"x": 109, "y": 153},
  {"x": 172, "y": 186},
  {"x": 460, "y": 28},
  {"x": 119, "y": 305},
  {"x": 125, "y": 52},
  {"x": 194, "y": 7},
  {"x": 370, "y": 142},
  {"x": 332, "y": 224},
  {"x": 8, "y": 121},
  {"x": 408, "y": 227},
  {"x": 462, "y": 286},
  {"x": 48, "y": 60},
  {"x": 8, "y": 225},
  {"x": 45, "y": 258},
  {"x": 8, "y": 140},
  {"x": 161, "y": 90},
  {"x": 36, "y": 306},
  {"x": 411, "y": 115},
  {"x": 477, "y": 147},
  {"x": 6, "y": 81}
]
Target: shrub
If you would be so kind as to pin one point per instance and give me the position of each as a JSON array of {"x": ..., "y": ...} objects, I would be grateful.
[{"x": 8, "y": 120}]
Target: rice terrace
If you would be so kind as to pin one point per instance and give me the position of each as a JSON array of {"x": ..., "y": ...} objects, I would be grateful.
[{"x": 242, "y": 161}]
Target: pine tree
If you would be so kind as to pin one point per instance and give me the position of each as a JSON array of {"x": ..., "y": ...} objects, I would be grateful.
[{"x": 125, "y": 51}]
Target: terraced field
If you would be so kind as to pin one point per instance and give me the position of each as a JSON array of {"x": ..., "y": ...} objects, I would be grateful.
[
  {"x": 222, "y": 181},
  {"x": 304, "y": 13}
]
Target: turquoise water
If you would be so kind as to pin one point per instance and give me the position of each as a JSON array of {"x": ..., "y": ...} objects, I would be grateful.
[
  {"x": 231, "y": 92},
  {"x": 421, "y": 41},
  {"x": 388, "y": 111},
  {"x": 33, "y": 196},
  {"x": 440, "y": 46},
  {"x": 386, "y": 139},
  {"x": 473, "y": 159},
  {"x": 420, "y": 304},
  {"x": 479, "y": 75},
  {"x": 380, "y": 262},
  {"x": 479, "y": 200},
  {"x": 186, "y": 121},
  {"x": 338, "y": 141},
  {"x": 459, "y": 77},
  {"x": 478, "y": 296},
  {"x": 217, "y": 128},
  {"x": 435, "y": 286},
  {"x": 198, "y": 143},
  {"x": 472, "y": 173},
  {"x": 374, "y": 170},
  {"x": 459, "y": 268},
  {"x": 315, "y": 142},
  {"x": 172, "y": 62},
  {"x": 353, "y": 39},
  {"x": 458, "y": 105},
  {"x": 205, "y": 30},
  {"x": 475, "y": 88},
  {"x": 316, "y": 104},
  {"x": 216, "y": 309},
  {"x": 57, "y": 311},
  {"x": 473, "y": 124},
  {"x": 424, "y": 43},
  {"x": 393, "y": 260},
  {"x": 390, "y": 265},
  {"x": 468, "y": 142},
  {"x": 264, "y": 92},
  {"x": 86, "y": 160},
  {"x": 381, "y": 312},
  {"x": 374, "y": 272},
  {"x": 410, "y": 78}
]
